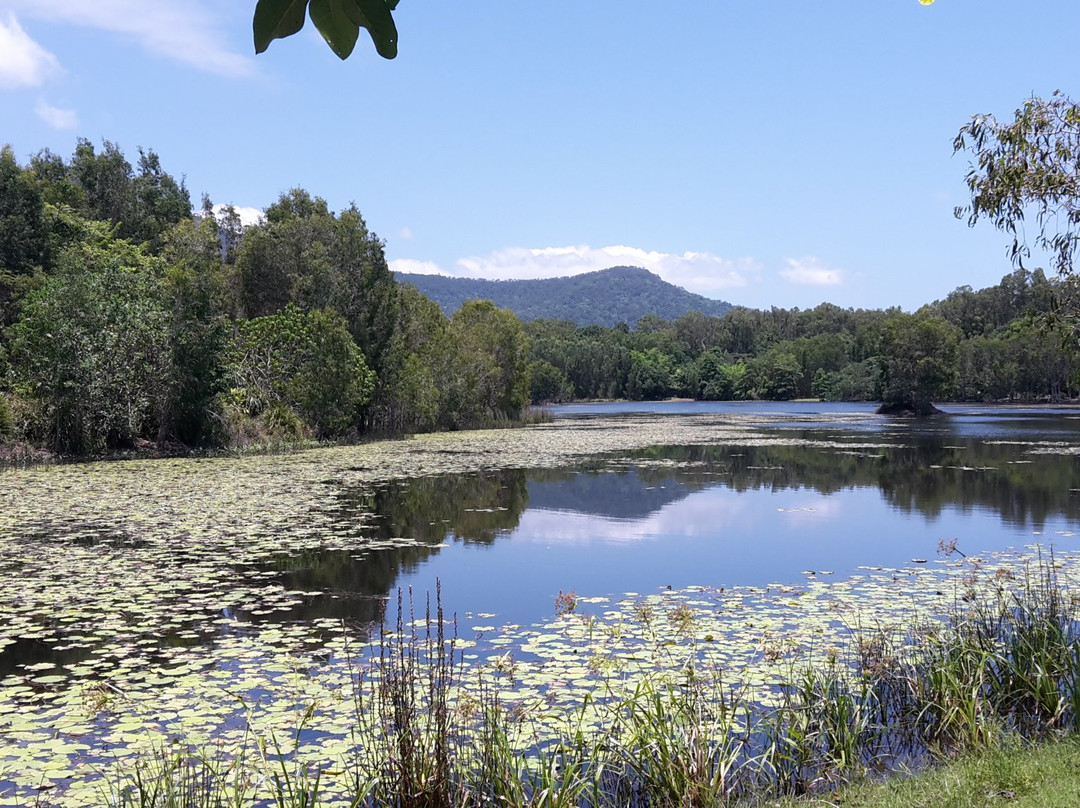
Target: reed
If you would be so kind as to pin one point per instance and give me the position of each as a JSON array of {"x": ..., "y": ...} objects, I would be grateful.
[{"x": 1005, "y": 664}]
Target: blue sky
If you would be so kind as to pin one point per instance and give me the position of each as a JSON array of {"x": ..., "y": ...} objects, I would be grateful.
[{"x": 773, "y": 153}]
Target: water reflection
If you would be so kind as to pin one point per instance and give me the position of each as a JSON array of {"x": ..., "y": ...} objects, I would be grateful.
[
  {"x": 508, "y": 541},
  {"x": 822, "y": 497}
]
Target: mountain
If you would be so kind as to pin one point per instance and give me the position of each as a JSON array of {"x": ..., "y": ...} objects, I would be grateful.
[{"x": 607, "y": 297}]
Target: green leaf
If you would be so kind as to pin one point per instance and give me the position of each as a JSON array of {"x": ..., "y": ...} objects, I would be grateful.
[
  {"x": 276, "y": 19},
  {"x": 375, "y": 16},
  {"x": 335, "y": 22}
]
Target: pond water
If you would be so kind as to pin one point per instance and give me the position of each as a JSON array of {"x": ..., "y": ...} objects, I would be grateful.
[
  {"x": 876, "y": 493},
  {"x": 152, "y": 600}
]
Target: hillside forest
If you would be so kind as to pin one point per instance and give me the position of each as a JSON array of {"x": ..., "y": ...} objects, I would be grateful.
[{"x": 128, "y": 318}]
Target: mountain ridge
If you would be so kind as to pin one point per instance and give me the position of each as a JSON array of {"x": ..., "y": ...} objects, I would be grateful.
[{"x": 607, "y": 297}]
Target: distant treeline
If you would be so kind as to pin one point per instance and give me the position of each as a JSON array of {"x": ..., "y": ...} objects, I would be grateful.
[
  {"x": 127, "y": 318},
  {"x": 997, "y": 344}
]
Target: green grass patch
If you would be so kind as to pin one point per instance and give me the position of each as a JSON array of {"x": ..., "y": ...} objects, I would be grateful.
[{"x": 1016, "y": 774}]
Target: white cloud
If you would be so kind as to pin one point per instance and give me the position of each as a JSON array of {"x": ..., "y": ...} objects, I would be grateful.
[
  {"x": 703, "y": 273},
  {"x": 811, "y": 272},
  {"x": 248, "y": 216},
  {"x": 414, "y": 267},
  {"x": 23, "y": 62},
  {"x": 182, "y": 31},
  {"x": 56, "y": 117},
  {"x": 405, "y": 233}
]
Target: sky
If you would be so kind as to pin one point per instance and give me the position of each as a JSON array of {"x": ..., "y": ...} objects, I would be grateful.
[{"x": 781, "y": 153}]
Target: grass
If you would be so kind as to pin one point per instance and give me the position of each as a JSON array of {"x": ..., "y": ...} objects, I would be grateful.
[
  {"x": 979, "y": 690},
  {"x": 1017, "y": 775}
]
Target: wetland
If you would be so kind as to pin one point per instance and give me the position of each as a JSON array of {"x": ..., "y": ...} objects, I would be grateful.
[{"x": 204, "y": 600}]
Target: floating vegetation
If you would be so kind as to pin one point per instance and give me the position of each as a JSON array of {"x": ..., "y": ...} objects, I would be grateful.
[{"x": 143, "y": 623}]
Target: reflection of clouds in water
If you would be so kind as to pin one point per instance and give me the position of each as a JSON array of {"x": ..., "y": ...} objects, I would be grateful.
[
  {"x": 716, "y": 512},
  {"x": 700, "y": 514}
]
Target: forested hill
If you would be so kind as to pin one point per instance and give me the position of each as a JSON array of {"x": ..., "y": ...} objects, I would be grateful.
[{"x": 607, "y": 297}]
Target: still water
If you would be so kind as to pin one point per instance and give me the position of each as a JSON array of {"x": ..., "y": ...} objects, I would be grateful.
[
  {"x": 152, "y": 601},
  {"x": 881, "y": 492}
]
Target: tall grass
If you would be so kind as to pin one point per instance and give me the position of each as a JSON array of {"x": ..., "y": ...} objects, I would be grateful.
[{"x": 1005, "y": 664}]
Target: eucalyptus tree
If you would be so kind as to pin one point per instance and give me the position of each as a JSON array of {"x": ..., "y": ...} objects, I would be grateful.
[{"x": 1030, "y": 165}]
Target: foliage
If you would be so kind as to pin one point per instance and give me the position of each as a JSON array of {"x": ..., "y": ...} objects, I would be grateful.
[
  {"x": 651, "y": 375},
  {"x": 920, "y": 361},
  {"x": 22, "y": 224},
  {"x": 306, "y": 255},
  {"x": 160, "y": 323},
  {"x": 548, "y": 384},
  {"x": 199, "y": 331},
  {"x": 7, "y": 420},
  {"x": 142, "y": 205},
  {"x": 488, "y": 377},
  {"x": 411, "y": 392},
  {"x": 92, "y": 348},
  {"x": 1029, "y": 164},
  {"x": 776, "y": 374},
  {"x": 338, "y": 22},
  {"x": 302, "y": 362}
]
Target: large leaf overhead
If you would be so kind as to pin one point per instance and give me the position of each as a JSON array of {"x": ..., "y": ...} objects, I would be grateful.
[
  {"x": 276, "y": 19},
  {"x": 339, "y": 22}
]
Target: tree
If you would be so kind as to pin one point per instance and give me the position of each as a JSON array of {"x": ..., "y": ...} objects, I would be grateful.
[
  {"x": 919, "y": 362},
  {"x": 22, "y": 223},
  {"x": 489, "y": 374},
  {"x": 652, "y": 375},
  {"x": 92, "y": 348},
  {"x": 142, "y": 206},
  {"x": 409, "y": 396},
  {"x": 1031, "y": 164},
  {"x": 199, "y": 331},
  {"x": 304, "y": 362},
  {"x": 777, "y": 373},
  {"x": 306, "y": 255},
  {"x": 23, "y": 230},
  {"x": 548, "y": 384}
]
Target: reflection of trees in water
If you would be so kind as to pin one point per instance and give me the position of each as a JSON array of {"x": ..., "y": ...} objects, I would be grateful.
[
  {"x": 424, "y": 513},
  {"x": 925, "y": 475},
  {"x": 608, "y": 491}
]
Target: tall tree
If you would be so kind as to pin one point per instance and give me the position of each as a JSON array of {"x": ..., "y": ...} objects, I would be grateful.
[
  {"x": 489, "y": 375},
  {"x": 22, "y": 230},
  {"x": 306, "y": 255}
]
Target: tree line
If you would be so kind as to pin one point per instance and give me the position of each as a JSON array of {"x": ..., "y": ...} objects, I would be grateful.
[
  {"x": 1002, "y": 343},
  {"x": 127, "y": 317}
]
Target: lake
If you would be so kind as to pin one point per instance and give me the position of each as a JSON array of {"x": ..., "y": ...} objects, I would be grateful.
[
  {"x": 878, "y": 492},
  {"x": 145, "y": 597}
]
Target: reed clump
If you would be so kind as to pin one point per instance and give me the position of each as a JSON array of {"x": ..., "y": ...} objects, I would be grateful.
[{"x": 1005, "y": 664}]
